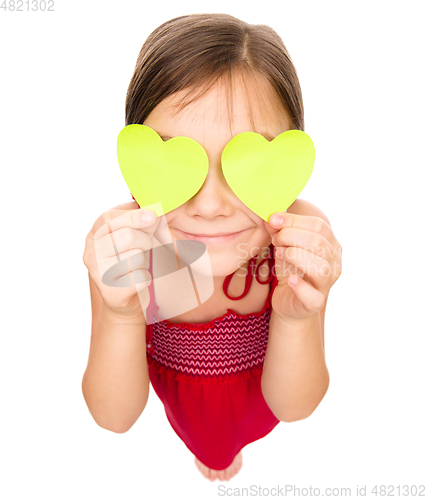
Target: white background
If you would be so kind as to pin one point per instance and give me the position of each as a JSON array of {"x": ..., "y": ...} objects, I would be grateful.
[{"x": 64, "y": 76}]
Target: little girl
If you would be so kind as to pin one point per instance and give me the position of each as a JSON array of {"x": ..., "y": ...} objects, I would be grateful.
[{"x": 252, "y": 355}]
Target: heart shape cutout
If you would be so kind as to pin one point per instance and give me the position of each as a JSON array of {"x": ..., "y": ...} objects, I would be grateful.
[
  {"x": 161, "y": 175},
  {"x": 267, "y": 176}
]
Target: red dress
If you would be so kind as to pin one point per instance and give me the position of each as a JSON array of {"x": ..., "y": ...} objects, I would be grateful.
[{"x": 208, "y": 375}]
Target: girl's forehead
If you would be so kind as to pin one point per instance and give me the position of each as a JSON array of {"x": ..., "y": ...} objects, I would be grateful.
[{"x": 246, "y": 105}]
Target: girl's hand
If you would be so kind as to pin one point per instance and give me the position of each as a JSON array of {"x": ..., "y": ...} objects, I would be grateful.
[
  {"x": 310, "y": 264},
  {"x": 117, "y": 254}
]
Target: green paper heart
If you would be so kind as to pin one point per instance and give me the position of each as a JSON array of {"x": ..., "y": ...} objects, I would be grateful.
[
  {"x": 160, "y": 173},
  {"x": 268, "y": 176}
]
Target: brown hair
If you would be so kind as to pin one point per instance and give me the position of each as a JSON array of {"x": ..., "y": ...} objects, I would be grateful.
[{"x": 194, "y": 51}]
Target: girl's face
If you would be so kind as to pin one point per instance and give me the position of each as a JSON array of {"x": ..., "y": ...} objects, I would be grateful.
[{"x": 215, "y": 209}]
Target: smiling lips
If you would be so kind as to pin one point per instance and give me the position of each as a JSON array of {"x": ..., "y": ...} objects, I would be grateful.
[{"x": 218, "y": 238}]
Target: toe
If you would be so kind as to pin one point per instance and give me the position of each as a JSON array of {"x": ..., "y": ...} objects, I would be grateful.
[
  {"x": 205, "y": 472},
  {"x": 202, "y": 468}
]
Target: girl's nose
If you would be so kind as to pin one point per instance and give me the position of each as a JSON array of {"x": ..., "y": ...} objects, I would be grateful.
[{"x": 215, "y": 196}]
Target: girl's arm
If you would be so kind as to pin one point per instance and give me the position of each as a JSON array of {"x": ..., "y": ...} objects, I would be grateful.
[
  {"x": 295, "y": 377},
  {"x": 116, "y": 383}
]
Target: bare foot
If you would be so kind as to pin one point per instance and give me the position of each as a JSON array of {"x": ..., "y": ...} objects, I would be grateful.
[{"x": 222, "y": 475}]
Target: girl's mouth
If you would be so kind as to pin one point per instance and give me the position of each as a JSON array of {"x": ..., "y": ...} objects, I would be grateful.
[{"x": 210, "y": 240}]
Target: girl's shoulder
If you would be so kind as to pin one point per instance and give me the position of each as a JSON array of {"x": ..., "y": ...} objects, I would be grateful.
[{"x": 304, "y": 207}]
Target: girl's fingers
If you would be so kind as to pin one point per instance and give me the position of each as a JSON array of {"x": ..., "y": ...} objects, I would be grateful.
[
  {"x": 122, "y": 240},
  {"x": 302, "y": 238},
  {"x": 311, "y": 265},
  {"x": 126, "y": 272},
  {"x": 122, "y": 265},
  {"x": 139, "y": 277},
  {"x": 311, "y": 299},
  {"x": 309, "y": 223},
  {"x": 113, "y": 220},
  {"x": 125, "y": 249}
]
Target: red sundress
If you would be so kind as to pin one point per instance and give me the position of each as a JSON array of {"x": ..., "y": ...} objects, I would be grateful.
[{"x": 208, "y": 375}]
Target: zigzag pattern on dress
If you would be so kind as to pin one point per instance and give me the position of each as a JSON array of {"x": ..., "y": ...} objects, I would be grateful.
[{"x": 232, "y": 346}]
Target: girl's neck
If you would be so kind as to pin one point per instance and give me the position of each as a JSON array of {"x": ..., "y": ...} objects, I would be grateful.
[{"x": 250, "y": 295}]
